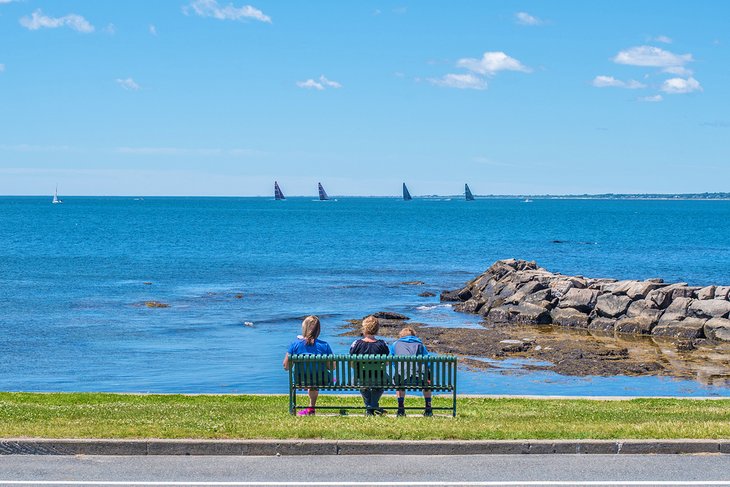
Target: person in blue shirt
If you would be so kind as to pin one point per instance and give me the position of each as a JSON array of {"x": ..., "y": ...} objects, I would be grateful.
[
  {"x": 409, "y": 344},
  {"x": 308, "y": 343}
]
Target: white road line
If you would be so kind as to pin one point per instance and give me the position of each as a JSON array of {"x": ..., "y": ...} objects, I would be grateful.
[{"x": 385, "y": 484}]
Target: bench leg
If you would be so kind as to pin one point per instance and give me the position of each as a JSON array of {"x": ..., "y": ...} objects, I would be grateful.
[
  {"x": 454, "y": 412},
  {"x": 292, "y": 401}
]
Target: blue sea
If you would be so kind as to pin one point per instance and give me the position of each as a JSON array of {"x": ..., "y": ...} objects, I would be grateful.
[{"x": 74, "y": 279}]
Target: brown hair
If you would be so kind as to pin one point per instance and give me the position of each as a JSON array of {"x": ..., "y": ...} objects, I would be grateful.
[
  {"x": 370, "y": 325},
  {"x": 310, "y": 329},
  {"x": 407, "y": 331}
]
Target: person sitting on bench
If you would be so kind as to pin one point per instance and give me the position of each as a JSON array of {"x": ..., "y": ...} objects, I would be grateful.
[{"x": 409, "y": 344}]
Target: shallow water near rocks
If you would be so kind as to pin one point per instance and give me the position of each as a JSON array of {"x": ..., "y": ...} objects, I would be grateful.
[{"x": 73, "y": 281}]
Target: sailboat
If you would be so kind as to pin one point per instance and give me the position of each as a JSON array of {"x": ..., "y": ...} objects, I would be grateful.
[
  {"x": 56, "y": 201},
  {"x": 322, "y": 193},
  {"x": 406, "y": 194},
  {"x": 467, "y": 193},
  {"x": 278, "y": 195}
]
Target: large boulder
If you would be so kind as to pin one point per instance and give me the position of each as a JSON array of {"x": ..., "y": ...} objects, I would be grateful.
[
  {"x": 689, "y": 328},
  {"x": 531, "y": 314},
  {"x": 619, "y": 287},
  {"x": 583, "y": 300},
  {"x": 450, "y": 296},
  {"x": 677, "y": 311},
  {"x": 722, "y": 292},
  {"x": 611, "y": 305},
  {"x": 525, "y": 290},
  {"x": 470, "y": 306},
  {"x": 709, "y": 308},
  {"x": 602, "y": 325},
  {"x": 707, "y": 292},
  {"x": 569, "y": 317},
  {"x": 637, "y": 325},
  {"x": 660, "y": 297},
  {"x": 718, "y": 329},
  {"x": 640, "y": 290}
]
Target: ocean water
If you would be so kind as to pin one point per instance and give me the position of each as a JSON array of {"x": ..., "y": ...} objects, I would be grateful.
[{"x": 73, "y": 280}]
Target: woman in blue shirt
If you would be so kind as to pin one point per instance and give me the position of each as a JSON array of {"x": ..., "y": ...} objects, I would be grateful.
[{"x": 308, "y": 344}]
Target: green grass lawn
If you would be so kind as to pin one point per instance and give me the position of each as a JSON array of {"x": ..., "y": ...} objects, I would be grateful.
[{"x": 91, "y": 415}]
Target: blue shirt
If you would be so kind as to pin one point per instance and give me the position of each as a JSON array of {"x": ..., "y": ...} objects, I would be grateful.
[{"x": 300, "y": 347}]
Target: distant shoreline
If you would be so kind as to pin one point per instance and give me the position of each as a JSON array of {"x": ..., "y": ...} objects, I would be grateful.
[{"x": 607, "y": 196}]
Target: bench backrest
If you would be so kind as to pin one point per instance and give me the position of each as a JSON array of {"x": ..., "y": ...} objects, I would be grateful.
[{"x": 350, "y": 372}]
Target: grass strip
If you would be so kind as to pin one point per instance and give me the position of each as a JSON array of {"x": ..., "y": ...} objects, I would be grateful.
[{"x": 98, "y": 415}]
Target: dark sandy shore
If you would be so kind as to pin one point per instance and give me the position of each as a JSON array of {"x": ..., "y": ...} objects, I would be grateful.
[{"x": 568, "y": 351}]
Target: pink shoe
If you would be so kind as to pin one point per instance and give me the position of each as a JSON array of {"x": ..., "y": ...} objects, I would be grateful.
[{"x": 306, "y": 412}]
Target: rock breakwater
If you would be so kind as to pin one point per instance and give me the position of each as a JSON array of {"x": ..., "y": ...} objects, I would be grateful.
[{"x": 521, "y": 292}]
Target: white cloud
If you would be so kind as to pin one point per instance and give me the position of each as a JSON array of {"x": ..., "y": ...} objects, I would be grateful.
[
  {"x": 676, "y": 86},
  {"x": 523, "y": 18},
  {"x": 310, "y": 84},
  {"x": 153, "y": 30},
  {"x": 652, "y": 57},
  {"x": 651, "y": 99},
  {"x": 7, "y": 1},
  {"x": 460, "y": 81},
  {"x": 318, "y": 85},
  {"x": 611, "y": 82},
  {"x": 185, "y": 151},
  {"x": 329, "y": 83},
  {"x": 210, "y": 8},
  {"x": 491, "y": 63},
  {"x": 128, "y": 84},
  {"x": 663, "y": 39},
  {"x": 678, "y": 70},
  {"x": 73, "y": 21}
]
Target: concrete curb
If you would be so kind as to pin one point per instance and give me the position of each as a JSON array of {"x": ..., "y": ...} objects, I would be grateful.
[{"x": 354, "y": 447}]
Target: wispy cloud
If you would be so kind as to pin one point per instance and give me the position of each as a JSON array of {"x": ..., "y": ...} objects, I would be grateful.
[
  {"x": 153, "y": 30},
  {"x": 523, "y": 18},
  {"x": 211, "y": 8},
  {"x": 186, "y": 151},
  {"x": 651, "y": 56},
  {"x": 7, "y": 1},
  {"x": 110, "y": 29},
  {"x": 491, "y": 63},
  {"x": 662, "y": 39},
  {"x": 676, "y": 86},
  {"x": 128, "y": 84},
  {"x": 611, "y": 82},
  {"x": 678, "y": 70},
  {"x": 2, "y": 68},
  {"x": 651, "y": 99},
  {"x": 73, "y": 21},
  {"x": 461, "y": 81},
  {"x": 321, "y": 84}
]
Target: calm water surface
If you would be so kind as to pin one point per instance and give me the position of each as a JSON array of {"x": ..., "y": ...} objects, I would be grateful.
[{"x": 72, "y": 280}]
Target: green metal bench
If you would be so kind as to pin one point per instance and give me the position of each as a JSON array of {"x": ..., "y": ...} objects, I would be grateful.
[{"x": 436, "y": 373}]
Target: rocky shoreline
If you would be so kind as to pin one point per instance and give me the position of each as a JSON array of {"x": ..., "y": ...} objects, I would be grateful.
[
  {"x": 521, "y": 292},
  {"x": 536, "y": 320}
]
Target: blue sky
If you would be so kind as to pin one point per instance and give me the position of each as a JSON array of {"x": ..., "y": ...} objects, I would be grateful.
[{"x": 206, "y": 97}]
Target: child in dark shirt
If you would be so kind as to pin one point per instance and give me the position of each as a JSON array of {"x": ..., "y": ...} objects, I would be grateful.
[{"x": 369, "y": 345}]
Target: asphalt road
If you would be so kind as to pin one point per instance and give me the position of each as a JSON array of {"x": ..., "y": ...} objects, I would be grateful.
[{"x": 709, "y": 469}]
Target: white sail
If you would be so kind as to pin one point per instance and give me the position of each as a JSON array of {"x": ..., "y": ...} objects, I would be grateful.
[{"x": 56, "y": 201}]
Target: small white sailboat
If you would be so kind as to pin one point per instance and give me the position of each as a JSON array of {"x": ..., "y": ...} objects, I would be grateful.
[{"x": 56, "y": 200}]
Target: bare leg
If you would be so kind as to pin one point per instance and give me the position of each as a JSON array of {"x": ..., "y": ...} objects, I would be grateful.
[{"x": 313, "y": 395}]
